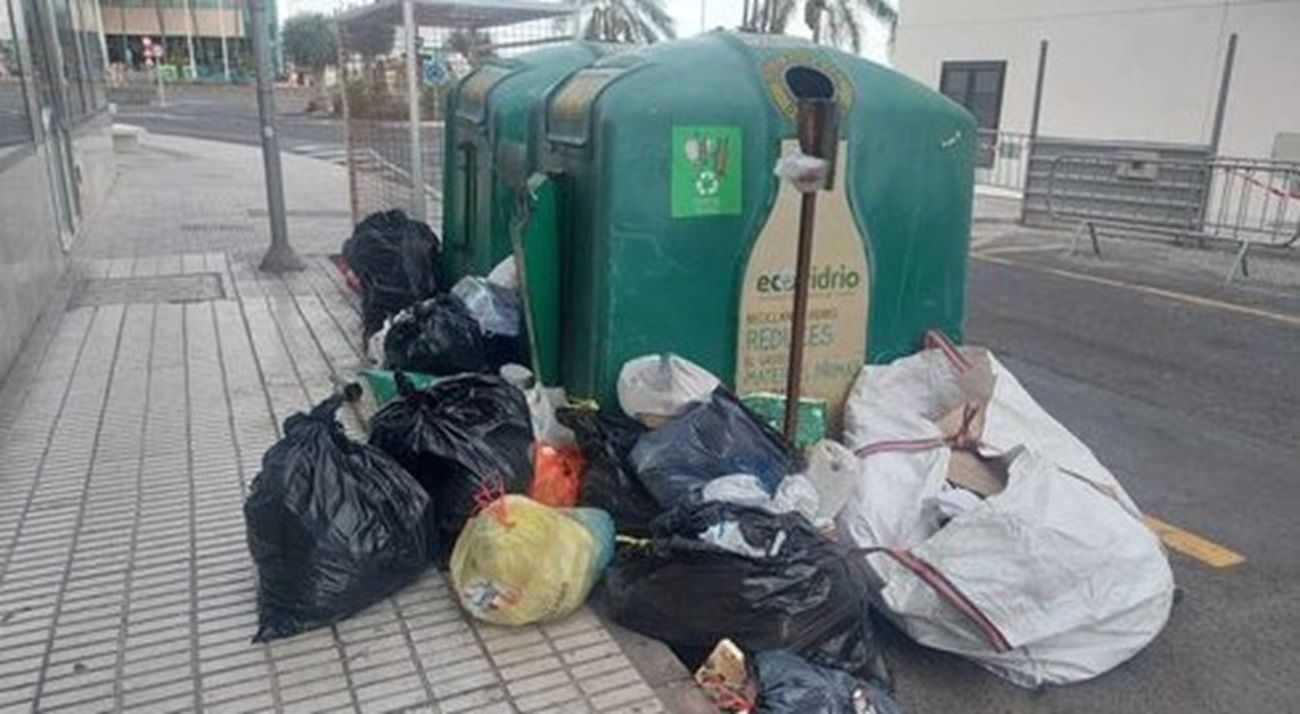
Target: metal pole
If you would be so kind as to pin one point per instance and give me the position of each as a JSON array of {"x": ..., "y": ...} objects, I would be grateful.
[
  {"x": 1038, "y": 90},
  {"x": 225, "y": 49},
  {"x": 702, "y": 20},
  {"x": 818, "y": 126},
  {"x": 162, "y": 93},
  {"x": 1221, "y": 107},
  {"x": 1206, "y": 177},
  {"x": 418, "y": 211},
  {"x": 189, "y": 39},
  {"x": 280, "y": 256}
]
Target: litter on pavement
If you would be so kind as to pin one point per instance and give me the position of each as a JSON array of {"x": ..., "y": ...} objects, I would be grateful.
[{"x": 950, "y": 503}]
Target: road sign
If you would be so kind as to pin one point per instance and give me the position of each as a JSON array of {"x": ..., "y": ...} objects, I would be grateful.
[{"x": 435, "y": 71}]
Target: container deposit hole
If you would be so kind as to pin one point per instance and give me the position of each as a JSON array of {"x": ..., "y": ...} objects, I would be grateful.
[{"x": 808, "y": 83}]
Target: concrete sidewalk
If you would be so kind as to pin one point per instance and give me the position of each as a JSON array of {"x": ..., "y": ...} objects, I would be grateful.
[{"x": 130, "y": 429}]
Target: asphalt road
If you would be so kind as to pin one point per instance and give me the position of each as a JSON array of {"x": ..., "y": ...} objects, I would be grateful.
[
  {"x": 1193, "y": 403},
  {"x": 1196, "y": 407},
  {"x": 233, "y": 117}
]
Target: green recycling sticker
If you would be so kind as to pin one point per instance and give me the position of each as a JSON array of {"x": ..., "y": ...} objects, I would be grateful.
[{"x": 706, "y": 171}]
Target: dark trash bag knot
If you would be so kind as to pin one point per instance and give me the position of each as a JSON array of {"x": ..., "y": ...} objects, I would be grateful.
[
  {"x": 461, "y": 438},
  {"x": 394, "y": 257}
]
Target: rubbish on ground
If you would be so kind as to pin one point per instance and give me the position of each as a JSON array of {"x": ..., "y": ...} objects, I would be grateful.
[
  {"x": 724, "y": 677},
  {"x": 952, "y": 501},
  {"x": 518, "y": 562},
  {"x": 499, "y": 314},
  {"x": 466, "y": 439},
  {"x": 333, "y": 526},
  {"x": 542, "y": 405},
  {"x": 832, "y": 470},
  {"x": 505, "y": 274},
  {"x": 436, "y": 336},
  {"x": 807, "y": 173},
  {"x": 655, "y": 387},
  {"x": 790, "y": 684},
  {"x": 609, "y": 481},
  {"x": 557, "y": 475},
  {"x": 383, "y": 385},
  {"x": 807, "y": 597},
  {"x": 1051, "y": 578},
  {"x": 393, "y": 257},
  {"x": 771, "y": 408},
  {"x": 374, "y": 347},
  {"x": 716, "y": 437},
  {"x": 795, "y": 494}
]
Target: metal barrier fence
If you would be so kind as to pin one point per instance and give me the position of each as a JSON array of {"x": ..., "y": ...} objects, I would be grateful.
[
  {"x": 1003, "y": 160},
  {"x": 1244, "y": 201},
  {"x": 451, "y": 38}
]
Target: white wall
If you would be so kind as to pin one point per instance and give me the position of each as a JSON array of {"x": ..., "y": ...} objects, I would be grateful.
[{"x": 1122, "y": 69}]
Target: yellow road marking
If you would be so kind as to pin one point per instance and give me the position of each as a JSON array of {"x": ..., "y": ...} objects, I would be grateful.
[
  {"x": 1188, "y": 543},
  {"x": 1292, "y": 320}
]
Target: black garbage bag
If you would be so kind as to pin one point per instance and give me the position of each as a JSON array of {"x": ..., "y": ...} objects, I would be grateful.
[
  {"x": 435, "y": 336},
  {"x": 333, "y": 526},
  {"x": 609, "y": 482},
  {"x": 800, "y": 592},
  {"x": 499, "y": 313},
  {"x": 394, "y": 257},
  {"x": 465, "y": 439},
  {"x": 715, "y": 438},
  {"x": 790, "y": 684}
]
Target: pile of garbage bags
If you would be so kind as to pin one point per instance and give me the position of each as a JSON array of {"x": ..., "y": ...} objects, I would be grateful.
[
  {"x": 393, "y": 258},
  {"x": 997, "y": 534},
  {"x": 951, "y": 504}
]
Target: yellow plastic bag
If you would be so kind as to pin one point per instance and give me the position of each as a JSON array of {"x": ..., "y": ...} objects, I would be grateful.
[{"x": 519, "y": 562}]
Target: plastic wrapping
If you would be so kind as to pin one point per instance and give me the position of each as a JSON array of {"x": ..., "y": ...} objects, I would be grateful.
[
  {"x": 436, "y": 336},
  {"x": 789, "y": 684},
  {"x": 1059, "y": 578},
  {"x": 520, "y": 562},
  {"x": 715, "y": 438},
  {"x": 505, "y": 274},
  {"x": 660, "y": 386},
  {"x": 393, "y": 258},
  {"x": 333, "y": 526},
  {"x": 806, "y": 173},
  {"x": 609, "y": 481},
  {"x": 496, "y": 309},
  {"x": 465, "y": 439},
  {"x": 807, "y": 596},
  {"x": 557, "y": 475}
]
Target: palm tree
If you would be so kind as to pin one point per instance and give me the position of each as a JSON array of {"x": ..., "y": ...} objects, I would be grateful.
[
  {"x": 642, "y": 21},
  {"x": 473, "y": 44},
  {"x": 838, "y": 22}
]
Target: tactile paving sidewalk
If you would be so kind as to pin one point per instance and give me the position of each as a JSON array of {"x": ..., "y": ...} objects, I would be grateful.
[{"x": 129, "y": 433}]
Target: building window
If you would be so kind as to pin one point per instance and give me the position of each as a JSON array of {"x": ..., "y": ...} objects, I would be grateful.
[
  {"x": 978, "y": 87},
  {"x": 15, "y": 125}
]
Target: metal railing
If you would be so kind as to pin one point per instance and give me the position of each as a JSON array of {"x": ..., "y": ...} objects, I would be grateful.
[
  {"x": 1002, "y": 161},
  {"x": 1249, "y": 202}
]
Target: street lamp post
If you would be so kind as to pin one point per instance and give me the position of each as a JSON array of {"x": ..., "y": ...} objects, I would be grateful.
[{"x": 280, "y": 257}]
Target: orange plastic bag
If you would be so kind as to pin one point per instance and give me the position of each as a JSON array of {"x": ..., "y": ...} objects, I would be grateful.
[{"x": 557, "y": 475}]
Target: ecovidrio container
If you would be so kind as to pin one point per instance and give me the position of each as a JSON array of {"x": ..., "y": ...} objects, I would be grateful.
[{"x": 675, "y": 236}]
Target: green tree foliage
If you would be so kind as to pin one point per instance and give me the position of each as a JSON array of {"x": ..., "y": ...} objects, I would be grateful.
[
  {"x": 310, "y": 42},
  {"x": 836, "y": 22},
  {"x": 641, "y": 21}
]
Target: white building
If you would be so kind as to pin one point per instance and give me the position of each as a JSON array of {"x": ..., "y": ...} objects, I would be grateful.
[{"x": 1125, "y": 70}]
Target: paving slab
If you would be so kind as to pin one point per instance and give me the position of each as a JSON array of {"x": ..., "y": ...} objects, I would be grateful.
[{"x": 130, "y": 430}]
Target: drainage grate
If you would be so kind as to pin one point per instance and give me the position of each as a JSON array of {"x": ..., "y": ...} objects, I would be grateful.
[
  {"x": 305, "y": 213},
  {"x": 216, "y": 228},
  {"x": 197, "y": 287}
]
